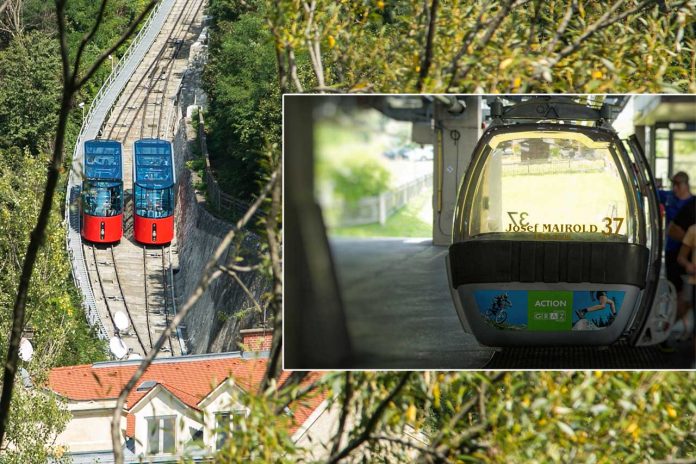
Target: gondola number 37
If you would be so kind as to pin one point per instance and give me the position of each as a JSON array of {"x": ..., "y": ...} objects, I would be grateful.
[{"x": 608, "y": 223}]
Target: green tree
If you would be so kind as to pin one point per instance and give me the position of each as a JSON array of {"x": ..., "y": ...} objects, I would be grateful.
[
  {"x": 30, "y": 92},
  {"x": 37, "y": 298},
  {"x": 359, "y": 177},
  {"x": 32, "y": 439},
  {"x": 243, "y": 117}
]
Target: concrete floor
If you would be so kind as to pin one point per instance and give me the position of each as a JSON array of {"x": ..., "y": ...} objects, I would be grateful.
[{"x": 398, "y": 307}]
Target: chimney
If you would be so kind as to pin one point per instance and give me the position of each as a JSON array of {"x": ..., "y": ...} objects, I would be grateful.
[{"x": 256, "y": 339}]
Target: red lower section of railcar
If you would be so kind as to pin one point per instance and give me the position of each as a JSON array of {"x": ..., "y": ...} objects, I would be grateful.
[
  {"x": 153, "y": 231},
  {"x": 100, "y": 229}
]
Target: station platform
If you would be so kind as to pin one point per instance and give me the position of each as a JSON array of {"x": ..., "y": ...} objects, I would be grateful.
[
  {"x": 400, "y": 315},
  {"x": 398, "y": 309}
]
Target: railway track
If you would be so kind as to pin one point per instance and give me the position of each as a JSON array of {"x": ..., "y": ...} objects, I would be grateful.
[
  {"x": 156, "y": 283},
  {"x": 144, "y": 281},
  {"x": 111, "y": 293},
  {"x": 136, "y": 100}
]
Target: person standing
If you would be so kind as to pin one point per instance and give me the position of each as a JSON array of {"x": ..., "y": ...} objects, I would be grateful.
[
  {"x": 682, "y": 222},
  {"x": 674, "y": 202}
]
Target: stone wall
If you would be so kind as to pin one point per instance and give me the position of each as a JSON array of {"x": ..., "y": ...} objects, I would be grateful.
[{"x": 214, "y": 322}]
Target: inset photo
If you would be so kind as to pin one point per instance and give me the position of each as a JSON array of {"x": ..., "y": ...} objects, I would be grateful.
[{"x": 489, "y": 231}]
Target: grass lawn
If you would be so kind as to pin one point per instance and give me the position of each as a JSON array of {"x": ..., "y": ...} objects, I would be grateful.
[{"x": 410, "y": 221}]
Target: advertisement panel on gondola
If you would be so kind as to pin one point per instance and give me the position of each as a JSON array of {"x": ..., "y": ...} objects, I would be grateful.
[{"x": 549, "y": 310}]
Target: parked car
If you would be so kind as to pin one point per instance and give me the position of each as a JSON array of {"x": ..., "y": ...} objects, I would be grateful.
[
  {"x": 424, "y": 153},
  {"x": 397, "y": 153}
]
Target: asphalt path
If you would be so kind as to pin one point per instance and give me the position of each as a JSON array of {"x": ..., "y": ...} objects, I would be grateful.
[{"x": 398, "y": 307}]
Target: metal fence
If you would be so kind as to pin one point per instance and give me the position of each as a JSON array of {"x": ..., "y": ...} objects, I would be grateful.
[
  {"x": 223, "y": 202},
  {"x": 96, "y": 116},
  {"x": 377, "y": 209},
  {"x": 569, "y": 166}
]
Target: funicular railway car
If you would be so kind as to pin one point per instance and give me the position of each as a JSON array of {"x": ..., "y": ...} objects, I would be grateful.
[
  {"x": 102, "y": 191},
  {"x": 153, "y": 195},
  {"x": 556, "y": 234}
]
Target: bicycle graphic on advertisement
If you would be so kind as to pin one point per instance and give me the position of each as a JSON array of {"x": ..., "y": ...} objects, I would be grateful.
[{"x": 498, "y": 311}]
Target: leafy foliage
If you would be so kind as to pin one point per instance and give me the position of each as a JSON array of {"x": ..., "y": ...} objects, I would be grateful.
[
  {"x": 30, "y": 92},
  {"x": 60, "y": 333},
  {"x": 52, "y": 310},
  {"x": 483, "y": 417},
  {"x": 252, "y": 440},
  {"x": 360, "y": 177},
  {"x": 30, "y": 95},
  {"x": 244, "y": 111},
  {"x": 32, "y": 440},
  {"x": 496, "y": 46}
]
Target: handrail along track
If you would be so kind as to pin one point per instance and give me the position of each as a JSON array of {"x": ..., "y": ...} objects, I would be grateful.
[{"x": 99, "y": 110}]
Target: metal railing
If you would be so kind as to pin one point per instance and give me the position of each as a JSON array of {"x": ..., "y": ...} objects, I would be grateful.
[
  {"x": 96, "y": 116},
  {"x": 376, "y": 209},
  {"x": 224, "y": 203}
]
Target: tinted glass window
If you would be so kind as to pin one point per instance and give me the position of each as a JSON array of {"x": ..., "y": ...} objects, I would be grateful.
[
  {"x": 103, "y": 199},
  {"x": 153, "y": 203},
  {"x": 549, "y": 186},
  {"x": 102, "y": 160}
]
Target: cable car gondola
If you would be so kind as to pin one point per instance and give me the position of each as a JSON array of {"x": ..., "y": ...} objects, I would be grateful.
[
  {"x": 154, "y": 180},
  {"x": 556, "y": 237},
  {"x": 102, "y": 191}
]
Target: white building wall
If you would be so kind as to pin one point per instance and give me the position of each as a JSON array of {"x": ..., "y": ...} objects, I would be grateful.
[
  {"x": 161, "y": 405},
  {"x": 315, "y": 433},
  {"x": 89, "y": 429},
  {"x": 225, "y": 401}
]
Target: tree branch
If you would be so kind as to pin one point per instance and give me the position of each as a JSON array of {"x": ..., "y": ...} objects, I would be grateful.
[
  {"x": 562, "y": 26},
  {"x": 274, "y": 244},
  {"x": 293, "y": 69},
  {"x": 210, "y": 273},
  {"x": 468, "y": 39},
  {"x": 63, "y": 41},
  {"x": 467, "y": 407},
  {"x": 347, "y": 396},
  {"x": 602, "y": 23},
  {"x": 492, "y": 28},
  {"x": 423, "y": 450},
  {"x": 237, "y": 268},
  {"x": 312, "y": 43},
  {"x": 245, "y": 289},
  {"x": 428, "y": 56},
  {"x": 372, "y": 422},
  {"x": 282, "y": 73},
  {"x": 88, "y": 36},
  {"x": 300, "y": 393}
]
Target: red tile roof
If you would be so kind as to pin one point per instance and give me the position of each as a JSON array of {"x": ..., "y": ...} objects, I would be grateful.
[
  {"x": 307, "y": 405},
  {"x": 188, "y": 380}
]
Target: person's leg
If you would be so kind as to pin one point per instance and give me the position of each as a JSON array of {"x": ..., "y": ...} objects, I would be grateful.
[
  {"x": 673, "y": 270},
  {"x": 684, "y": 324},
  {"x": 602, "y": 303}
]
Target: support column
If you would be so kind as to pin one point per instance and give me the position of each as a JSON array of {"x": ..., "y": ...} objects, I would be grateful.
[
  {"x": 640, "y": 136},
  {"x": 316, "y": 335},
  {"x": 455, "y": 136}
]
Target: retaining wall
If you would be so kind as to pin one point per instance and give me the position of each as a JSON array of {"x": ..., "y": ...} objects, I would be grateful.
[{"x": 213, "y": 323}]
